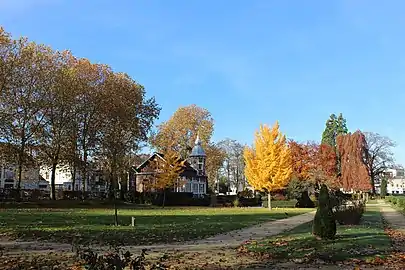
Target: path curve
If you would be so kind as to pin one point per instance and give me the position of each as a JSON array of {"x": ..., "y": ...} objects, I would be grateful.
[{"x": 226, "y": 240}]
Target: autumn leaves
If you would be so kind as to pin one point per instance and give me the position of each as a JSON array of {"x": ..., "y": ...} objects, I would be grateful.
[
  {"x": 66, "y": 110},
  {"x": 268, "y": 162},
  {"x": 272, "y": 162}
]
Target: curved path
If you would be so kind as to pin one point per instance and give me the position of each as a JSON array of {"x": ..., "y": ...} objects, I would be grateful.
[{"x": 226, "y": 240}]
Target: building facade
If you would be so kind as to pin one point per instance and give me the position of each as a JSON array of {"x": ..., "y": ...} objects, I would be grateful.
[
  {"x": 395, "y": 180},
  {"x": 193, "y": 179}
]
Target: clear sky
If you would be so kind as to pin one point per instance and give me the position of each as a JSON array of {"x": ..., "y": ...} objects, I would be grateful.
[{"x": 246, "y": 61}]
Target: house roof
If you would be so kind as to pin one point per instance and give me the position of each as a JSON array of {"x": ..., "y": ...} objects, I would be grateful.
[
  {"x": 197, "y": 150},
  {"x": 187, "y": 165}
]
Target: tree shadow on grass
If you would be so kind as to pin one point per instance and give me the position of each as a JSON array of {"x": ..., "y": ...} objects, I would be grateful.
[
  {"x": 152, "y": 226},
  {"x": 362, "y": 241}
]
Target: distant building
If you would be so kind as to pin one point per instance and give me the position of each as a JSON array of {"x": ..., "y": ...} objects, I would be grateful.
[
  {"x": 64, "y": 179},
  {"x": 193, "y": 179},
  {"x": 30, "y": 176},
  {"x": 395, "y": 180}
]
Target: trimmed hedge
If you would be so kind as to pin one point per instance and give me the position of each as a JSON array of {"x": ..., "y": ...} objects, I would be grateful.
[
  {"x": 279, "y": 204},
  {"x": 396, "y": 200},
  {"x": 180, "y": 199}
]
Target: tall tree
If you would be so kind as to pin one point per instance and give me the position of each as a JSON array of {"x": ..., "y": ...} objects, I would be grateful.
[
  {"x": 22, "y": 106},
  {"x": 335, "y": 126},
  {"x": 181, "y": 130},
  {"x": 233, "y": 163},
  {"x": 127, "y": 119},
  {"x": 379, "y": 155},
  {"x": 90, "y": 79},
  {"x": 59, "y": 100},
  {"x": 268, "y": 162},
  {"x": 213, "y": 163},
  {"x": 354, "y": 174}
]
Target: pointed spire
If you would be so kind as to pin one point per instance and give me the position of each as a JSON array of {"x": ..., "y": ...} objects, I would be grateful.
[{"x": 197, "y": 140}]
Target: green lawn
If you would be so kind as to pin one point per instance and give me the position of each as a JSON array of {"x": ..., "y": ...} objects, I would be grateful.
[
  {"x": 364, "y": 241},
  {"x": 152, "y": 225}
]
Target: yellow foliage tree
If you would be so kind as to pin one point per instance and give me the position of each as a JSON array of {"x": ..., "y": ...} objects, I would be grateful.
[
  {"x": 268, "y": 163},
  {"x": 168, "y": 171}
]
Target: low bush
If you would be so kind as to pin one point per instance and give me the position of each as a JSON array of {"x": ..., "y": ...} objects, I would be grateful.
[
  {"x": 280, "y": 204},
  {"x": 396, "y": 200},
  {"x": 304, "y": 201},
  {"x": 349, "y": 213},
  {"x": 180, "y": 199},
  {"x": 117, "y": 260}
]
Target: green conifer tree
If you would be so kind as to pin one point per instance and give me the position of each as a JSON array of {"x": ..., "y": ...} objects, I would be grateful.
[{"x": 324, "y": 225}]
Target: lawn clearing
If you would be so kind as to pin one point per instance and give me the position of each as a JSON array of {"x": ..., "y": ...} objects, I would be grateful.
[
  {"x": 364, "y": 242},
  {"x": 95, "y": 226}
]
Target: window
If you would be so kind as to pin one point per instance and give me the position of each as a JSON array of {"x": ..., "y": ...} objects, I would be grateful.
[
  {"x": 195, "y": 188},
  {"x": 201, "y": 160},
  {"x": 202, "y": 189}
]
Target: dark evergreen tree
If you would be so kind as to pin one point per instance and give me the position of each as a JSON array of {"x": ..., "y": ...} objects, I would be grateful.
[
  {"x": 324, "y": 225},
  {"x": 334, "y": 126},
  {"x": 341, "y": 127},
  {"x": 329, "y": 134}
]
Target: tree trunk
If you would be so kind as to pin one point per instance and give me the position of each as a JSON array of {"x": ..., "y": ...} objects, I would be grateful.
[
  {"x": 84, "y": 173},
  {"x": 115, "y": 209},
  {"x": 372, "y": 179},
  {"x": 164, "y": 198},
  {"x": 73, "y": 173},
  {"x": 53, "y": 176},
  {"x": 269, "y": 200}
]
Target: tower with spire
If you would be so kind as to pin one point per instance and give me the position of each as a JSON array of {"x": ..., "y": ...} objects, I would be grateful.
[{"x": 197, "y": 157}]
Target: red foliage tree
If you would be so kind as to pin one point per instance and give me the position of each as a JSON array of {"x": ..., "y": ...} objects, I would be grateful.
[
  {"x": 302, "y": 160},
  {"x": 315, "y": 163},
  {"x": 326, "y": 166},
  {"x": 354, "y": 175}
]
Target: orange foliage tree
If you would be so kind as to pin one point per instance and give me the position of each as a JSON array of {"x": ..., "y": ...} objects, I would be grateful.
[
  {"x": 314, "y": 163},
  {"x": 354, "y": 175},
  {"x": 326, "y": 167}
]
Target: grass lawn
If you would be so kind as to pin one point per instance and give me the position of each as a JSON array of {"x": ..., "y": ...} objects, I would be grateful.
[
  {"x": 152, "y": 225},
  {"x": 364, "y": 241}
]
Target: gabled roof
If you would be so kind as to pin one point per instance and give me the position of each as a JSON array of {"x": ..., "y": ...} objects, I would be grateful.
[{"x": 187, "y": 165}]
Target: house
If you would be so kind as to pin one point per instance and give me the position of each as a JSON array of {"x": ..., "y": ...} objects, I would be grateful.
[
  {"x": 193, "y": 179},
  {"x": 30, "y": 176},
  {"x": 64, "y": 179},
  {"x": 396, "y": 180}
]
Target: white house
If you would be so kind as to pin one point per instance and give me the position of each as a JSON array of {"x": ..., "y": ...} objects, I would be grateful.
[
  {"x": 30, "y": 178},
  {"x": 396, "y": 181},
  {"x": 64, "y": 179}
]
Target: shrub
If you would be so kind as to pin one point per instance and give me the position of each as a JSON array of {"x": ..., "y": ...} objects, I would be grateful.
[
  {"x": 246, "y": 193},
  {"x": 116, "y": 260},
  {"x": 304, "y": 201},
  {"x": 236, "y": 202},
  {"x": 245, "y": 202},
  {"x": 180, "y": 199},
  {"x": 324, "y": 225},
  {"x": 280, "y": 204},
  {"x": 350, "y": 214}
]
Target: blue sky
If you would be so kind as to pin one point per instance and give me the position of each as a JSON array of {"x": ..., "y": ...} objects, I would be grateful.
[{"x": 247, "y": 62}]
